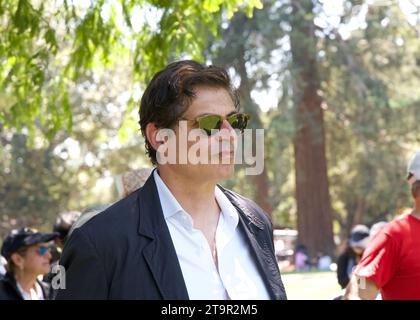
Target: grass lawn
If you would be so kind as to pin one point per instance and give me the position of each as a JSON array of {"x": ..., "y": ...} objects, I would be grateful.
[{"x": 311, "y": 285}]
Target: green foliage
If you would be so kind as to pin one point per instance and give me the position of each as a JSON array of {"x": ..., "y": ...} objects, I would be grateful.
[
  {"x": 47, "y": 46},
  {"x": 32, "y": 184},
  {"x": 72, "y": 170}
]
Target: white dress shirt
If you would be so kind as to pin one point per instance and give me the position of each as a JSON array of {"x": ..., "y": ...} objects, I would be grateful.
[
  {"x": 238, "y": 276},
  {"x": 34, "y": 294}
]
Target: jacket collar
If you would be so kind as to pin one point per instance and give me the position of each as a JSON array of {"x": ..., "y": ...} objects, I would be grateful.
[{"x": 242, "y": 207}]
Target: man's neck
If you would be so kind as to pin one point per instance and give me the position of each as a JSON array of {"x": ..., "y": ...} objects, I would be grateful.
[
  {"x": 416, "y": 210},
  {"x": 195, "y": 197}
]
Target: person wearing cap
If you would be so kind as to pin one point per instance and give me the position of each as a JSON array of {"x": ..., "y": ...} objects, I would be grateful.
[
  {"x": 391, "y": 263},
  {"x": 359, "y": 238},
  {"x": 28, "y": 256}
]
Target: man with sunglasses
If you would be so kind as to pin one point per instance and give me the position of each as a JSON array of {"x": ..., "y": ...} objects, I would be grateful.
[
  {"x": 182, "y": 235},
  {"x": 28, "y": 256}
]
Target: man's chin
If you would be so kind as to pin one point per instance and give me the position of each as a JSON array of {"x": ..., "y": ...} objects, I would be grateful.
[
  {"x": 224, "y": 171},
  {"x": 209, "y": 172}
]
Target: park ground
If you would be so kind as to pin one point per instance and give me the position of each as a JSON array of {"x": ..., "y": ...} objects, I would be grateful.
[{"x": 311, "y": 285}]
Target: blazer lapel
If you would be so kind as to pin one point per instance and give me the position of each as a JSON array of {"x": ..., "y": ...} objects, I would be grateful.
[
  {"x": 253, "y": 228},
  {"x": 159, "y": 253}
]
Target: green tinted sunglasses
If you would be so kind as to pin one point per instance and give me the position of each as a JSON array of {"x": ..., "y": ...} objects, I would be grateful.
[{"x": 214, "y": 122}]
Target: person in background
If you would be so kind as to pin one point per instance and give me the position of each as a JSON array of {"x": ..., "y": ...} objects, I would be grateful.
[
  {"x": 302, "y": 259},
  {"x": 391, "y": 263},
  {"x": 359, "y": 239},
  {"x": 63, "y": 223},
  {"x": 86, "y": 215},
  {"x": 28, "y": 256},
  {"x": 126, "y": 183},
  {"x": 62, "y": 226},
  {"x": 324, "y": 262},
  {"x": 374, "y": 230}
]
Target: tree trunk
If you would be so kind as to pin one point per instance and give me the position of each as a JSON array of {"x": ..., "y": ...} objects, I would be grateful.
[
  {"x": 312, "y": 189},
  {"x": 360, "y": 212}
]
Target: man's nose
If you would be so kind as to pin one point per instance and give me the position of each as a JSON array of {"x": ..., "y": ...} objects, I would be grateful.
[
  {"x": 226, "y": 125},
  {"x": 227, "y": 132}
]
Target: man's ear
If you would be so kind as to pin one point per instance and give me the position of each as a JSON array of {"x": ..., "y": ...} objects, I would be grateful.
[{"x": 151, "y": 134}]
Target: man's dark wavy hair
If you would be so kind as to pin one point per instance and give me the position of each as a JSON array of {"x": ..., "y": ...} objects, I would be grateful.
[{"x": 171, "y": 92}]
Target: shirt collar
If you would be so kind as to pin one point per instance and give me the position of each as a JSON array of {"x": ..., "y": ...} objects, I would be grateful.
[
  {"x": 170, "y": 206},
  {"x": 229, "y": 212},
  {"x": 38, "y": 294}
]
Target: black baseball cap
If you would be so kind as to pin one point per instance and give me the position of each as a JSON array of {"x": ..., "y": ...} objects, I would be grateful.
[
  {"x": 359, "y": 237},
  {"x": 23, "y": 237}
]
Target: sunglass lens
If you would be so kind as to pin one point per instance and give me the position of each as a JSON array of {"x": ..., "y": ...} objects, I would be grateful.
[
  {"x": 210, "y": 122},
  {"x": 238, "y": 121},
  {"x": 43, "y": 250}
]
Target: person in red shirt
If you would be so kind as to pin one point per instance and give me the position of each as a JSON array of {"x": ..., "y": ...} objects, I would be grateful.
[{"x": 391, "y": 262}]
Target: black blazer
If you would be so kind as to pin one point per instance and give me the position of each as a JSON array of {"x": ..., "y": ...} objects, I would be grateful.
[{"x": 126, "y": 252}]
